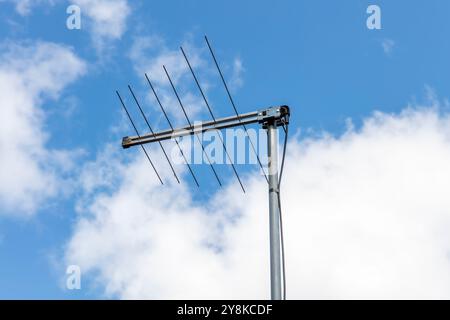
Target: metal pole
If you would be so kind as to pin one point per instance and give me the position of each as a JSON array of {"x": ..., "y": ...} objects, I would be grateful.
[{"x": 274, "y": 213}]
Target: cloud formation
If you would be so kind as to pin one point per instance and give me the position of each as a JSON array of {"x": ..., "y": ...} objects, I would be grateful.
[
  {"x": 237, "y": 80},
  {"x": 23, "y": 7},
  {"x": 30, "y": 74},
  {"x": 107, "y": 20},
  {"x": 366, "y": 215},
  {"x": 149, "y": 54},
  {"x": 388, "y": 46}
]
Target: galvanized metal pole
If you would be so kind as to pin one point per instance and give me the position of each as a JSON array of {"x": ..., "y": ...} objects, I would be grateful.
[{"x": 274, "y": 213}]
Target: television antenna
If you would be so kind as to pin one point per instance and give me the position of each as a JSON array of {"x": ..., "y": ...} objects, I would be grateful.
[{"x": 269, "y": 118}]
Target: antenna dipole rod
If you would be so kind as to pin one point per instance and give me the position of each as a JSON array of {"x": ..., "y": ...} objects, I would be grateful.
[
  {"x": 234, "y": 106},
  {"x": 170, "y": 124},
  {"x": 189, "y": 122},
  {"x": 212, "y": 116},
  {"x": 153, "y": 133},
  {"x": 137, "y": 133}
]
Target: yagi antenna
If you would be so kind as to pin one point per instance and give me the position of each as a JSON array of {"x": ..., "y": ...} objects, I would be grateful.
[{"x": 269, "y": 118}]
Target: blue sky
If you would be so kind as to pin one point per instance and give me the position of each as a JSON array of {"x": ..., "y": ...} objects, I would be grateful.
[{"x": 316, "y": 56}]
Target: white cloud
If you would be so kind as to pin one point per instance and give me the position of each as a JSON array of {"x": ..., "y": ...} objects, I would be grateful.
[
  {"x": 30, "y": 73},
  {"x": 149, "y": 55},
  {"x": 366, "y": 215},
  {"x": 107, "y": 20},
  {"x": 24, "y": 7},
  {"x": 237, "y": 80},
  {"x": 388, "y": 46}
]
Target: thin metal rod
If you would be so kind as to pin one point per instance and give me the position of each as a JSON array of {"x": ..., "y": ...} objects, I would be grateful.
[
  {"x": 189, "y": 122},
  {"x": 170, "y": 124},
  {"x": 212, "y": 116},
  {"x": 274, "y": 214},
  {"x": 151, "y": 130},
  {"x": 234, "y": 106},
  {"x": 198, "y": 84},
  {"x": 229, "y": 122},
  {"x": 137, "y": 133},
  {"x": 211, "y": 125},
  {"x": 283, "y": 258},
  {"x": 149, "y": 138}
]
